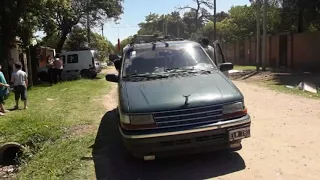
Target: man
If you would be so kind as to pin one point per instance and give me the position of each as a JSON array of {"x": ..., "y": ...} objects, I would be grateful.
[
  {"x": 20, "y": 84},
  {"x": 51, "y": 71},
  {"x": 209, "y": 49},
  {"x": 58, "y": 68},
  {"x": 4, "y": 92}
]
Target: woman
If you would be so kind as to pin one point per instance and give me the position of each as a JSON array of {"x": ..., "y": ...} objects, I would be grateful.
[{"x": 4, "y": 91}]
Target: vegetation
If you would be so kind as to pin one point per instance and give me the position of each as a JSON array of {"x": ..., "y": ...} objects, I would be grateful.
[
  {"x": 78, "y": 38},
  {"x": 244, "y": 68},
  {"x": 238, "y": 23},
  {"x": 53, "y": 124},
  {"x": 57, "y": 18}
]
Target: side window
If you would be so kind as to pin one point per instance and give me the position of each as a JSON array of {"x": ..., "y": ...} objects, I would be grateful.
[
  {"x": 73, "y": 58},
  {"x": 63, "y": 59}
]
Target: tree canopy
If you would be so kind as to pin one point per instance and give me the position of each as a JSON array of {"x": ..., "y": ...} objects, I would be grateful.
[
  {"x": 63, "y": 15},
  {"x": 57, "y": 18},
  {"x": 77, "y": 40},
  {"x": 238, "y": 23}
]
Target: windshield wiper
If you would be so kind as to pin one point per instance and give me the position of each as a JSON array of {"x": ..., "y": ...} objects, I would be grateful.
[
  {"x": 188, "y": 70},
  {"x": 179, "y": 69},
  {"x": 146, "y": 75}
]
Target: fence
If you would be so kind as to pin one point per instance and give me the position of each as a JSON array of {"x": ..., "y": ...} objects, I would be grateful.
[{"x": 292, "y": 51}]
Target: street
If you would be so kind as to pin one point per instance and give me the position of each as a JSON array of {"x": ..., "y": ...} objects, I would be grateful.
[{"x": 284, "y": 144}]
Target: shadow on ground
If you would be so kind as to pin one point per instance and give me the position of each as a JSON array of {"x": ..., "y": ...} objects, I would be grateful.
[{"x": 112, "y": 162}]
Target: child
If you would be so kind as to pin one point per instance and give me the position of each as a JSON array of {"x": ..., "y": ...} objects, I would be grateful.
[
  {"x": 3, "y": 91},
  {"x": 20, "y": 83}
]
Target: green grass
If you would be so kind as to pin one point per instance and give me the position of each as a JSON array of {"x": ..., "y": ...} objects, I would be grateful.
[
  {"x": 58, "y": 160},
  {"x": 237, "y": 67},
  {"x": 282, "y": 88},
  {"x": 46, "y": 127}
]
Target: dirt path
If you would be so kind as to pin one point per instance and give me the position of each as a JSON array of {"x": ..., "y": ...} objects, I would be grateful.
[
  {"x": 285, "y": 136},
  {"x": 284, "y": 144},
  {"x": 110, "y": 99}
]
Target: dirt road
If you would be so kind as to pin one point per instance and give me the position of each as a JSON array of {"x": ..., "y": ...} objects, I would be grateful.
[{"x": 284, "y": 145}]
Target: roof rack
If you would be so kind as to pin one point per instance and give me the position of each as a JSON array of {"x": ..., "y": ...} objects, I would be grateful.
[{"x": 138, "y": 39}]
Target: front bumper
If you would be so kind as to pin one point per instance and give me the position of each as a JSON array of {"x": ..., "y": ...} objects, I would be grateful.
[{"x": 208, "y": 138}]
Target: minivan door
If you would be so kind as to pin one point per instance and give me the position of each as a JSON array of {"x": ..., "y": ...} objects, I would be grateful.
[{"x": 219, "y": 56}]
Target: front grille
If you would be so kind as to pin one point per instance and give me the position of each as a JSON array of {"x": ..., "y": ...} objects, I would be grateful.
[
  {"x": 189, "y": 117},
  {"x": 217, "y": 138}
]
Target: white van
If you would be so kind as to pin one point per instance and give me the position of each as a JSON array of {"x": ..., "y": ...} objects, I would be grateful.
[{"x": 83, "y": 63}]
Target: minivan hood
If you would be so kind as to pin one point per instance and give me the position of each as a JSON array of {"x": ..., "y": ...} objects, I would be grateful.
[{"x": 169, "y": 94}]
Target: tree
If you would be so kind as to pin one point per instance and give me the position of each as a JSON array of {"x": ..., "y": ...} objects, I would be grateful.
[
  {"x": 68, "y": 13},
  {"x": 17, "y": 18},
  {"x": 200, "y": 13},
  {"x": 299, "y": 15},
  {"x": 50, "y": 40},
  {"x": 77, "y": 40}
]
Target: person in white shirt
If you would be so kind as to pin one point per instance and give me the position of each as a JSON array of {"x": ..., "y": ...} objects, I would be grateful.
[
  {"x": 20, "y": 84},
  {"x": 209, "y": 49}
]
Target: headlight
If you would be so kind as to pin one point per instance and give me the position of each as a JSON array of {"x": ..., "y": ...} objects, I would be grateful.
[
  {"x": 234, "y": 110},
  {"x": 135, "y": 122},
  {"x": 124, "y": 118},
  {"x": 141, "y": 119}
]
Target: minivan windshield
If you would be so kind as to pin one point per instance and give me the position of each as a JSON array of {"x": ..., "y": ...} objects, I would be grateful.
[{"x": 166, "y": 60}]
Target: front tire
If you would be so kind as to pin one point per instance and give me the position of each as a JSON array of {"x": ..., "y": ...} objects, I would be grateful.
[{"x": 84, "y": 73}]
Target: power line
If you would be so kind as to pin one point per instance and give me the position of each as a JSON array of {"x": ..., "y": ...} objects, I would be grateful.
[{"x": 121, "y": 26}]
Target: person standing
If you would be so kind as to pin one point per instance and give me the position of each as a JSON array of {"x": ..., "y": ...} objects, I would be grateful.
[
  {"x": 4, "y": 91},
  {"x": 58, "y": 68},
  {"x": 51, "y": 72},
  {"x": 20, "y": 83},
  {"x": 209, "y": 49}
]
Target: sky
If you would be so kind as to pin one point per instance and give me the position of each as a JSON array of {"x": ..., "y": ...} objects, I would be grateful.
[{"x": 136, "y": 10}]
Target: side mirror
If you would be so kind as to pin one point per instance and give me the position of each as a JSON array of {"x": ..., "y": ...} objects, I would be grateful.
[
  {"x": 112, "y": 78},
  {"x": 226, "y": 66},
  {"x": 117, "y": 64}
]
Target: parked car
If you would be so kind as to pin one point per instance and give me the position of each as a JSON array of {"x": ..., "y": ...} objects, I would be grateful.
[
  {"x": 174, "y": 99},
  {"x": 76, "y": 63}
]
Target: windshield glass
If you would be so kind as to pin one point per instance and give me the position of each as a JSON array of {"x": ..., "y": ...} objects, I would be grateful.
[{"x": 166, "y": 59}]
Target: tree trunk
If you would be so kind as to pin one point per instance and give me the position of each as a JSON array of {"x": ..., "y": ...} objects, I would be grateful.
[
  {"x": 4, "y": 55},
  {"x": 61, "y": 42},
  {"x": 30, "y": 70},
  {"x": 34, "y": 63},
  {"x": 300, "y": 21}
]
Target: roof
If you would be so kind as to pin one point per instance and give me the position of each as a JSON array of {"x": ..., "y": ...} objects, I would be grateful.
[{"x": 161, "y": 44}]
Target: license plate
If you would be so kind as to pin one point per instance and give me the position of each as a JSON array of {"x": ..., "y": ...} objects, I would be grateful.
[{"x": 236, "y": 134}]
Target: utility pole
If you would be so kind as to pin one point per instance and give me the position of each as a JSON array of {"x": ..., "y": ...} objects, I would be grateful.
[
  {"x": 258, "y": 36},
  {"x": 178, "y": 29},
  {"x": 214, "y": 20},
  {"x": 166, "y": 29},
  {"x": 264, "y": 43},
  {"x": 102, "y": 30}
]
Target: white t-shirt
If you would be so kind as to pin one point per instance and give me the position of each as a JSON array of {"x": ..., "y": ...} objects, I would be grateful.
[
  {"x": 210, "y": 51},
  {"x": 19, "y": 78}
]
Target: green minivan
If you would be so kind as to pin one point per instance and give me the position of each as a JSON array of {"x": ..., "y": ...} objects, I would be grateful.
[{"x": 174, "y": 99}]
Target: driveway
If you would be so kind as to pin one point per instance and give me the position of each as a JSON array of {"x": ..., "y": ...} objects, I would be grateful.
[{"x": 284, "y": 145}]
